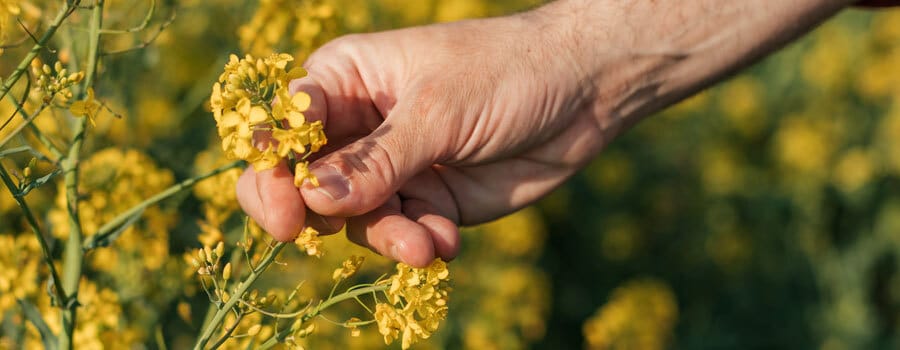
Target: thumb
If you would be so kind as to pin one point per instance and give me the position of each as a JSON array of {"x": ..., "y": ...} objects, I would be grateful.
[{"x": 361, "y": 176}]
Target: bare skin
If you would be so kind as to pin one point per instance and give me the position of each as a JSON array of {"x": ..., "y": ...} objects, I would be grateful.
[{"x": 457, "y": 124}]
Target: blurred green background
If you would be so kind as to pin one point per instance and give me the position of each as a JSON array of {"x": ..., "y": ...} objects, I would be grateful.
[{"x": 762, "y": 213}]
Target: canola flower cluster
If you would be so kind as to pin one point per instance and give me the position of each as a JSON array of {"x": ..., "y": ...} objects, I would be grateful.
[
  {"x": 55, "y": 81},
  {"x": 417, "y": 303},
  {"x": 252, "y": 96}
]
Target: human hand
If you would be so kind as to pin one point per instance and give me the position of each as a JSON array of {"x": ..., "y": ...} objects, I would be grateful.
[
  {"x": 460, "y": 123},
  {"x": 431, "y": 127}
]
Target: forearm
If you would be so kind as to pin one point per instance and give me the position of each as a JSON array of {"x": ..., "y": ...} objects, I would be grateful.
[{"x": 641, "y": 56}]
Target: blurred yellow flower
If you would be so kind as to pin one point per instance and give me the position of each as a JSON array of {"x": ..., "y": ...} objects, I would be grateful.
[
  {"x": 854, "y": 169},
  {"x": 803, "y": 145},
  {"x": 20, "y": 262},
  {"x": 640, "y": 314},
  {"x": 741, "y": 101}
]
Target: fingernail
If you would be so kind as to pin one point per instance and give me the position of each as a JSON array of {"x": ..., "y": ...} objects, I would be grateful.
[
  {"x": 395, "y": 251},
  {"x": 331, "y": 182}
]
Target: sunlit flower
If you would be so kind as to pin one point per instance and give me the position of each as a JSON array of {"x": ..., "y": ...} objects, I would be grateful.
[
  {"x": 348, "y": 268},
  {"x": 418, "y": 303},
  {"x": 89, "y": 107},
  {"x": 252, "y": 96},
  {"x": 309, "y": 241}
]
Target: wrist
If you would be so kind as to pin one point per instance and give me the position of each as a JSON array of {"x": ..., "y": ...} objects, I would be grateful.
[{"x": 642, "y": 56}]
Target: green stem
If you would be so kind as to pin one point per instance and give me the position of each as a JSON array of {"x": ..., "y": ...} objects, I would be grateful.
[
  {"x": 219, "y": 317},
  {"x": 228, "y": 332},
  {"x": 113, "y": 225},
  {"x": 345, "y": 296},
  {"x": 45, "y": 248},
  {"x": 74, "y": 255},
  {"x": 353, "y": 294}
]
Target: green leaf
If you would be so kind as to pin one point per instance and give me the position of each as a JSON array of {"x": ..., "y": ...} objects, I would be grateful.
[
  {"x": 107, "y": 239},
  {"x": 14, "y": 150},
  {"x": 34, "y": 316},
  {"x": 38, "y": 182}
]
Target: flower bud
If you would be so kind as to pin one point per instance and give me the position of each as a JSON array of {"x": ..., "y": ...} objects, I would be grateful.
[
  {"x": 209, "y": 255},
  {"x": 261, "y": 67},
  {"x": 254, "y": 330},
  {"x": 226, "y": 272}
]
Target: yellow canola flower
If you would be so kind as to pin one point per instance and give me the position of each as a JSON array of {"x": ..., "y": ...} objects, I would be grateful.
[
  {"x": 252, "y": 96},
  {"x": 301, "y": 174},
  {"x": 296, "y": 139},
  {"x": 348, "y": 268},
  {"x": 309, "y": 241},
  {"x": 89, "y": 107},
  {"x": 418, "y": 303},
  {"x": 293, "y": 111}
]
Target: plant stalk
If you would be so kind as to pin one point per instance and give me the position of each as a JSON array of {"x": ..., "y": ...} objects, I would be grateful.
[
  {"x": 74, "y": 255},
  {"x": 219, "y": 317},
  {"x": 321, "y": 307}
]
